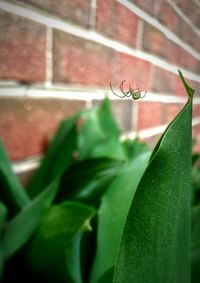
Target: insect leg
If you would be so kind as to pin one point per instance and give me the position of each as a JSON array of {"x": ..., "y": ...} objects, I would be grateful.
[
  {"x": 121, "y": 87},
  {"x": 122, "y": 90},
  {"x": 144, "y": 94},
  {"x": 129, "y": 94},
  {"x": 116, "y": 93}
]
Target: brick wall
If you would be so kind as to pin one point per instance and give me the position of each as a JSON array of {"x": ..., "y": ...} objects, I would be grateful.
[{"x": 57, "y": 57}]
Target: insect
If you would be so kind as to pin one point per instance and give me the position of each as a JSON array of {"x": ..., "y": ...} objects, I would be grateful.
[{"x": 134, "y": 93}]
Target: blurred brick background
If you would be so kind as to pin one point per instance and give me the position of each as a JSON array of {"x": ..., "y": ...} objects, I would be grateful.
[{"x": 57, "y": 57}]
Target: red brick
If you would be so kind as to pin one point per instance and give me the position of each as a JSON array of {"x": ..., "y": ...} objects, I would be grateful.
[
  {"x": 186, "y": 33},
  {"x": 127, "y": 25},
  {"x": 150, "y": 6},
  {"x": 164, "y": 81},
  {"x": 174, "y": 53},
  {"x": 154, "y": 41},
  {"x": 149, "y": 115},
  {"x": 196, "y": 17},
  {"x": 106, "y": 17},
  {"x": 116, "y": 21},
  {"x": 76, "y": 11},
  {"x": 135, "y": 71},
  {"x": 182, "y": 4},
  {"x": 169, "y": 17},
  {"x": 196, "y": 86},
  {"x": 170, "y": 111},
  {"x": 190, "y": 9},
  {"x": 83, "y": 62},
  {"x": 196, "y": 110},
  {"x": 178, "y": 56},
  {"x": 22, "y": 49},
  {"x": 196, "y": 42},
  {"x": 188, "y": 61},
  {"x": 27, "y": 124}
]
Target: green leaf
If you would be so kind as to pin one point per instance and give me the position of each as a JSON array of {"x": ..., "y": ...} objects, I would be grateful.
[
  {"x": 19, "y": 230},
  {"x": 107, "y": 277},
  {"x": 3, "y": 215},
  {"x": 189, "y": 89},
  {"x": 86, "y": 180},
  {"x": 55, "y": 249},
  {"x": 113, "y": 213},
  {"x": 72, "y": 261},
  {"x": 107, "y": 119},
  {"x": 1, "y": 261},
  {"x": 59, "y": 156},
  {"x": 133, "y": 148},
  {"x": 99, "y": 136},
  {"x": 155, "y": 246},
  {"x": 11, "y": 191},
  {"x": 90, "y": 135}
]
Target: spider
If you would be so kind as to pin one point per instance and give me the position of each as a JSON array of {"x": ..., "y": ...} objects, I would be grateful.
[{"x": 134, "y": 93}]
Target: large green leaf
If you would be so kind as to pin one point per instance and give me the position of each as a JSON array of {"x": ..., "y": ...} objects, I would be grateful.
[
  {"x": 99, "y": 136},
  {"x": 155, "y": 246},
  {"x": 58, "y": 157},
  {"x": 3, "y": 215},
  {"x": 54, "y": 251},
  {"x": 11, "y": 191},
  {"x": 19, "y": 229},
  {"x": 113, "y": 213},
  {"x": 86, "y": 180}
]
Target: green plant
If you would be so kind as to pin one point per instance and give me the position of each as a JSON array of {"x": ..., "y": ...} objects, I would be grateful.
[{"x": 100, "y": 210}]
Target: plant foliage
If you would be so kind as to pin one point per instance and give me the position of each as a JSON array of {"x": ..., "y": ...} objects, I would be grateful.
[{"x": 102, "y": 210}]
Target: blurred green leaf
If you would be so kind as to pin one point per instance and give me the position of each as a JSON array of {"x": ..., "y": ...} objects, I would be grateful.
[
  {"x": 72, "y": 261},
  {"x": 86, "y": 180},
  {"x": 195, "y": 158},
  {"x": 107, "y": 120},
  {"x": 195, "y": 185},
  {"x": 3, "y": 215},
  {"x": 133, "y": 148},
  {"x": 90, "y": 135},
  {"x": 156, "y": 242},
  {"x": 11, "y": 191},
  {"x": 107, "y": 277},
  {"x": 195, "y": 178},
  {"x": 21, "y": 227},
  {"x": 55, "y": 248},
  {"x": 58, "y": 157},
  {"x": 195, "y": 249},
  {"x": 99, "y": 136},
  {"x": 113, "y": 213}
]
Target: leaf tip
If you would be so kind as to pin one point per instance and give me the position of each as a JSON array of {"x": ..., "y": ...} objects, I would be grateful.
[{"x": 189, "y": 89}]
